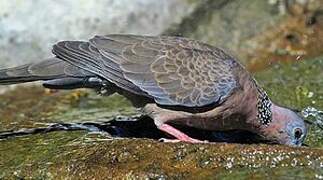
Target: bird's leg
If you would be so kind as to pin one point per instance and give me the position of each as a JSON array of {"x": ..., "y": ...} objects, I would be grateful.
[{"x": 161, "y": 116}]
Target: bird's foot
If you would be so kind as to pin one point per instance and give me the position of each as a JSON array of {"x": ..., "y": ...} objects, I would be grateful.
[
  {"x": 181, "y": 137},
  {"x": 191, "y": 140}
]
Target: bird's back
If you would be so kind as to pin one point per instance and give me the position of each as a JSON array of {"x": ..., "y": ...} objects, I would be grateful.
[{"x": 172, "y": 71}]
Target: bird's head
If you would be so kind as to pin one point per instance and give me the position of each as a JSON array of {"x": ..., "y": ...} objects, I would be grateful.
[{"x": 286, "y": 127}]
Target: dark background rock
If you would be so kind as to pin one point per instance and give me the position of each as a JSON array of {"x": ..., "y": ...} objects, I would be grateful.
[{"x": 229, "y": 23}]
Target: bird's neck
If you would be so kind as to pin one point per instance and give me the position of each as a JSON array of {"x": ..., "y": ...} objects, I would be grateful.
[
  {"x": 257, "y": 106},
  {"x": 264, "y": 108}
]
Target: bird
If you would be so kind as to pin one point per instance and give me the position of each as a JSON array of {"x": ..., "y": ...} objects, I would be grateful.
[{"x": 173, "y": 80}]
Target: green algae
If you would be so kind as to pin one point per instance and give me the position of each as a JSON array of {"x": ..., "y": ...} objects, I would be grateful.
[
  {"x": 297, "y": 85},
  {"x": 33, "y": 155}
]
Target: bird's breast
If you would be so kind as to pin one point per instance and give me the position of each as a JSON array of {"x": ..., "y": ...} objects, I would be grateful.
[{"x": 215, "y": 123}]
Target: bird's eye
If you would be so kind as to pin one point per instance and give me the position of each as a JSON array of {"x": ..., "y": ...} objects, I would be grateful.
[{"x": 298, "y": 133}]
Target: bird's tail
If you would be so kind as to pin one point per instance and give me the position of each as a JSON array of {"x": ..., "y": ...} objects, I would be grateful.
[
  {"x": 31, "y": 72},
  {"x": 55, "y": 73}
]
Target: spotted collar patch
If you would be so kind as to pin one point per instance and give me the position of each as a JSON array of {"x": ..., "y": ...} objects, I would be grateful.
[{"x": 264, "y": 108}]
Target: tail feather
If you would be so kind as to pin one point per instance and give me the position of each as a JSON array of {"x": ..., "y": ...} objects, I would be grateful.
[
  {"x": 19, "y": 75},
  {"x": 56, "y": 73},
  {"x": 30, "y": 72}
]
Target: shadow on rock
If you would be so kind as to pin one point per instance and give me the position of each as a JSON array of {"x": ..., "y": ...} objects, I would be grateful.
[{"x": 138, "y": 127}]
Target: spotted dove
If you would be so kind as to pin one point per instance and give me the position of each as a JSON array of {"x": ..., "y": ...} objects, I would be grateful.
[{"x": 174, "y": 79}]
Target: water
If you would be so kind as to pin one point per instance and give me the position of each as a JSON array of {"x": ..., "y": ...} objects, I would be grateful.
[{"x": 317, "y": 115}]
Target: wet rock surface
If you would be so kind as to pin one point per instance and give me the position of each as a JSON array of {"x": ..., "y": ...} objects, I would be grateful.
[{"x": 79, "y": 155}]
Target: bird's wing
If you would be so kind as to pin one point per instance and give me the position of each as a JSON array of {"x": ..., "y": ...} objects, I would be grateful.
[{"x": 171, "y": 70}]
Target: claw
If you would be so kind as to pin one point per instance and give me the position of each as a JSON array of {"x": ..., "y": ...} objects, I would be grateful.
[{"x": 169, "y": 140}]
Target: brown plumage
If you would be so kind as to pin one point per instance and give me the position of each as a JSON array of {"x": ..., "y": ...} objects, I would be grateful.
[{"x": 174, "y": 79}]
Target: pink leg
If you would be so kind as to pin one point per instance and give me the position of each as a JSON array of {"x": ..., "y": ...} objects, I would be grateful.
[
  {"x": 178, "y": 134},
  {"x": 161, "y": 116}
]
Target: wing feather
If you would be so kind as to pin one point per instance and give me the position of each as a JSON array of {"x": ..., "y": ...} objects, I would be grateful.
[{"x": 171, "y": 70}]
